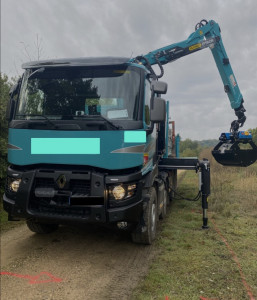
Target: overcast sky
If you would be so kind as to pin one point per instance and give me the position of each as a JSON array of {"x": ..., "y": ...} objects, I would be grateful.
[{"x": 77, "y": 28}]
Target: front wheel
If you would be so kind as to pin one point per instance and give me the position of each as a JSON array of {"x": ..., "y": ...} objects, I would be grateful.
[
  {"x": 41, "y": 228},
  {"x": 146, "y": 232}
]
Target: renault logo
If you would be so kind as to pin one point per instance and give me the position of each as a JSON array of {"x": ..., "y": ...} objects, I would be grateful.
[{"x": 61, "y": 181}]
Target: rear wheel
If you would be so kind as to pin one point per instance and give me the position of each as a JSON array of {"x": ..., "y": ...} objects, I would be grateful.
[
  {"x": 172, "y": 184},
  {"x": 165, "y": 204},
  {"x": 146, "y": 233},
  {"x": 41, "y": 228}
]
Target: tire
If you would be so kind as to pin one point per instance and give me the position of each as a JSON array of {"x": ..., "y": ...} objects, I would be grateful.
[
  {"x": 146, "y": 233},
  {"x": 165, "y": 204},
  {"x": 172, "y": 183},
  {"x": 41, "y": 228}
]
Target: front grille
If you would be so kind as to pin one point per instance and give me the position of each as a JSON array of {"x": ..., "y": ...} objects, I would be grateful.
[
  {"x": 44, "y": 182},
  {"x": 80, "y": 186},
  {"x": 74, "y": 200}
]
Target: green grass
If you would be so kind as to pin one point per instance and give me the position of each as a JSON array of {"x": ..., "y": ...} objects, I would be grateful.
[{"x": 195, "y": 262}]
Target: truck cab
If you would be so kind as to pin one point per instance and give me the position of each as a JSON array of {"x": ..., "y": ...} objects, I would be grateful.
[{"x": 83, "y": 144}]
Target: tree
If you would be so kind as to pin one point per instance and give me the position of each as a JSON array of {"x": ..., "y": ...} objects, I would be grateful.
[
  {"x": 4, "y": 97},
  {"x": 34, "y": 53},
  {"x": 189, "y": 148},
  {"x": 254, "y": 134}
]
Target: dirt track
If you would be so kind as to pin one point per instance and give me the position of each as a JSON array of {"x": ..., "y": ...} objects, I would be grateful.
[{"x": 93, "y": 263}]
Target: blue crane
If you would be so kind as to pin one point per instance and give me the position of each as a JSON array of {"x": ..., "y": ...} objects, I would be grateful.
[{"x": 208, "y": 35}]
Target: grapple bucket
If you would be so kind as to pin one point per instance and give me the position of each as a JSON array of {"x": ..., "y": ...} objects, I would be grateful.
[{"x": 230, "y": 150}]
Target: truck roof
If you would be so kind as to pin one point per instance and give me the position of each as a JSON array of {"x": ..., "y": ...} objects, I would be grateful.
[{"x": 81, "y": 61}]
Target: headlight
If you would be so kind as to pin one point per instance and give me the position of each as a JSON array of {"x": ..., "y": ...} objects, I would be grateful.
[
  {"x": 131, "y": 190},
  {"x": 122, "y": 191},
  {"x": 13, "y": 184},
  {"x": 118, "y": 192}
]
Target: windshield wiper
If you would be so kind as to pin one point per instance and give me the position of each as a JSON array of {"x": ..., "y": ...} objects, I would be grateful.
[
  {"x": 43, "y": 116},
  {"x": 103, "y": 118},
  {"x": 109, "y": 122}
]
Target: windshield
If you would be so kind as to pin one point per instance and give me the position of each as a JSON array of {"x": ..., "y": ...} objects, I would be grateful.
[{"x": 74, "y": 93}]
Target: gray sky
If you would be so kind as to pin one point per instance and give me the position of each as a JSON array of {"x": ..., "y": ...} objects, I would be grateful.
[{"x": 77, "y": 28}]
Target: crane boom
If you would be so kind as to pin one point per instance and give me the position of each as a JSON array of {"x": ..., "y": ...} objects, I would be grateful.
[{"x": 207, "y": 34}]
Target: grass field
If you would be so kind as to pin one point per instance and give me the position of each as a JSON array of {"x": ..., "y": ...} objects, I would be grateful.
[{"x": 218, "y": 263}]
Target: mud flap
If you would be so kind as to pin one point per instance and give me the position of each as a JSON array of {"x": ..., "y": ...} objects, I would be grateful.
[{"x": 228, "y": 152}]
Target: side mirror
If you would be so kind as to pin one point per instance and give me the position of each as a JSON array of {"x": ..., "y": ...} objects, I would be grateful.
[
  {"x": 14, "y": 89},
  {"x": 10, "y": 109},
  {"x": 159, "y": 87},
  {"x": 158, "y": 112}
]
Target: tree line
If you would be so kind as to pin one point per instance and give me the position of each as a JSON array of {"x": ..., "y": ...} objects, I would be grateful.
[{"x": 189, "y": 148}]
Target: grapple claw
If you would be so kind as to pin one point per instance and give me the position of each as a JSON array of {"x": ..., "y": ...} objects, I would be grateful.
[{"x": 228, "y": 152}]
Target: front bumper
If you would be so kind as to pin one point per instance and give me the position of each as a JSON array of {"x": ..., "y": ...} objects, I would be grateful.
[
  {"x": 81, "y": 197},
  {"x": 93, "y": 214}
]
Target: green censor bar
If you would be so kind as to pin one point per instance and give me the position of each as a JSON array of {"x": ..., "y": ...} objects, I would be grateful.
[
  {"x": 65, "y": 146},
  {"x": 134, "y": 136}
]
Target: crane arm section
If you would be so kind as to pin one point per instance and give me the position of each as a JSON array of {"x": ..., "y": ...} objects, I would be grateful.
[{"x": 207, "y": 34}]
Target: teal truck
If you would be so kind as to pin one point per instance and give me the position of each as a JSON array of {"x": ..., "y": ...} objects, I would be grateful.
[{"x": 88, "y": 140}]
